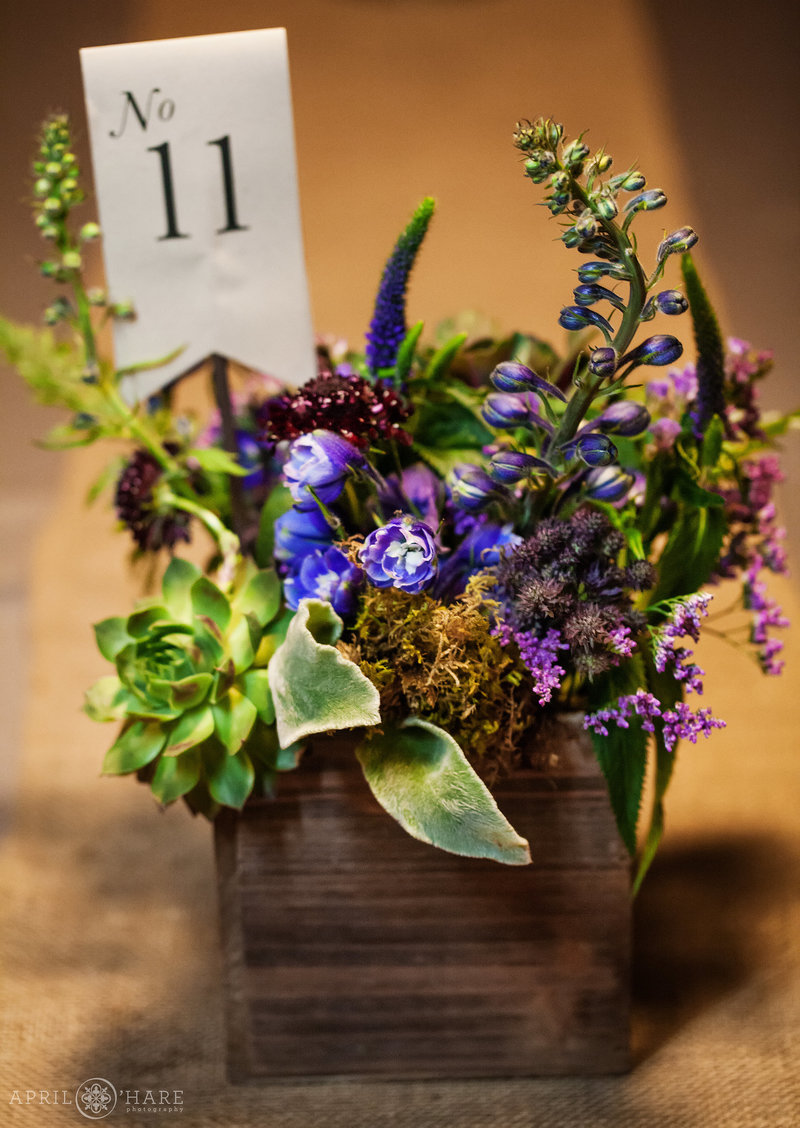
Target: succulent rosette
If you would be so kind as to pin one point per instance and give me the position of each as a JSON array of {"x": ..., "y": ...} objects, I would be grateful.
[{"x": 400, "y": 554}]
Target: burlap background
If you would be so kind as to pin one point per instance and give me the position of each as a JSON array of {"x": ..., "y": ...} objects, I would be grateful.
[{"x": 109, "y": 936}]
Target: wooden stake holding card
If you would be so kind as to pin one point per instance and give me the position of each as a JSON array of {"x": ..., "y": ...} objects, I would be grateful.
[{"x": 193, "y": 151}]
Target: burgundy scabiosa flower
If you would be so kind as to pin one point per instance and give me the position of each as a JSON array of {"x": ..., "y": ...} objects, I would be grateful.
[
  {"x": 151, "y": 526},
  {"x": 401, "y": 554}
]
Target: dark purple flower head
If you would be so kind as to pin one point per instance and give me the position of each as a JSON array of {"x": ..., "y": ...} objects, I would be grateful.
[
  {"x": 401, "y": 554},
  {"x": 327, "y": 575},
  {"x": 320, "y": 462},
  {"x": 151, "y": 526},
  {"x": 300, "y": 531}
]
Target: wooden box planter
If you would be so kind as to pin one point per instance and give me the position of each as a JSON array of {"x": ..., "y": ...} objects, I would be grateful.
[{"x": 351, "y": 948}]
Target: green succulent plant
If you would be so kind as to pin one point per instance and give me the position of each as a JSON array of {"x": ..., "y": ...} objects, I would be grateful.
[{"x": 192, "y": 689}]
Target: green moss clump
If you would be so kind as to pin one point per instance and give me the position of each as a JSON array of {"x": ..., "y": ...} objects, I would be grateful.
[{"x": 441, "y": 663}]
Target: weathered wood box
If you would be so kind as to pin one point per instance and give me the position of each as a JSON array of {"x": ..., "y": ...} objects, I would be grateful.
[{"x": 350, "y": 948}]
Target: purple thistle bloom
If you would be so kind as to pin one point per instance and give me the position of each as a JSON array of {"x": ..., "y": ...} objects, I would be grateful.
[
  {"x": 320, "y": 462},
  {"x": 401, "y": 554},
  {"x": 388, "y": 326},
  {"x": 300, "y": 531},
  {"x": 327, "y": 575}
]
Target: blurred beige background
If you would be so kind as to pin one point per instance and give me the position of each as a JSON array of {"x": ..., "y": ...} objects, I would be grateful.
[{"x": 396, "y": 99}]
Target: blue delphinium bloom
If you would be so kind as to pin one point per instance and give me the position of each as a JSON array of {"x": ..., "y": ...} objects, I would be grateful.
[
  {"x": 418, "y": 491},
  {"x": 388, "y": 326},
  {"x": 327, "y": 575},
  {"x": 320, "y": 462},
  {"x": 481, "y": 548},
  {"x": 300, "y": 531},
  {"x": 401, "y": 554}
]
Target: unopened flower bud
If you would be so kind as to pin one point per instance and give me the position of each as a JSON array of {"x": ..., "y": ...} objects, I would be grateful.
[
  {"x": 671, "y": 302},
  {"x": 513, "y": 465},
  {"x": 631, "y": 181},
  {"x": 97, "y": 296},
  {"x": 575, "y": 154},
  {"x": 603, "y": 362},
  {"x": 602, "y": 162},
  {"x": 587, "y": 225},
  {"x": 578, "y": 317},
  {"x": 510, "y": 376},
  {"x": 504, "y": 410},
  {"x": 624, "y": 418},
  {"x": 42, "y": 186},
  {"x": 590, "y": 292},
  {"x": 650, "y": 200},
  {"x": 472, "y": 488},
  {"x": 52, "y": 205},
  {"x": 676, "y": 243},
  {"x": 90, "y": 231},
  {"x": 571, "y": 237},
  {"x": 594, "y": 271},
  {"x": 595, "y": 450},
  {"x": 606, "y": 206},
  {"x": 608, "y": 483},
  {"x": 52, "y": 169},
  {"x": 124, "y": 311},
  {"x": 658, "y": 350},
  {"x": 560, "y": 181},
  {"x": 71, "y": 260},
  {"x": 554, "y": 131}
]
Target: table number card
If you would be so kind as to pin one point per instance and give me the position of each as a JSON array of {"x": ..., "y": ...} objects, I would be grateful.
[{"x": 194, "y": 162}]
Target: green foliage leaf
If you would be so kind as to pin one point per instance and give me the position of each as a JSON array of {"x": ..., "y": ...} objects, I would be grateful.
[
  {"x": 314, "y": 687},
  {"x": 690, "y": 491},
  {"x": 449, "y": 426},
  {"x": 176, "y": 776},
  {"x": 230, "y": 779},
  {"x": 712, "y": 442},
  {"x": 242, "y": 639},
  {"x": 234, "y": 717},
  {"x": 405, "y": 354},
  {"x": 420, "y": 776},
  {"x": 275, "y": 506},
  {"x": 708, "y": 339},
  {"x": 216, "y": 461},
  {"x": 209, "y": 602},
  {"x": 176, "y": 588},
  {"x": 622, "y": 754},
  {"x": 260, "y": 596},
  {"x": 184, "y": 693},
  {"x": 690, "y": 553},
  {"x": 136, "y": 746},
  {"x": 193, "y": 727},
  {"x": 112, "y": 637},
  {"x": 439, "y": 364},
  {"x": 141, "y": 621},
  {"x": 255, "y": 685},
  {"x": 105, "y": 700}
]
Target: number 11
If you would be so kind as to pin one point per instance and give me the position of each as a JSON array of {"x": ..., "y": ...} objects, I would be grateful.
[{"x": 173, "y": 231}]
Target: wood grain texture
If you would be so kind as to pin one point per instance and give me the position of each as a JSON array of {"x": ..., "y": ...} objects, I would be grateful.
[{"x": 351, "y": 948}]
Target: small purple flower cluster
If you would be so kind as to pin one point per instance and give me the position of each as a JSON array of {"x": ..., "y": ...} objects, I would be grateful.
[
  {"x": 767, "y": 614},
  {"x": 539, "y": 655},
  {"x": 684, "y": 620},
  {"x": 678, "y": 723}
]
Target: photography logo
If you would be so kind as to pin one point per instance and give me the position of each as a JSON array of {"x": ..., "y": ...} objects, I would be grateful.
[{"x": 95, "y": 1098}]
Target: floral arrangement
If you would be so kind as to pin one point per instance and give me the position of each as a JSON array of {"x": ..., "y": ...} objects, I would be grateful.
[{"x": 439, "y": 544}]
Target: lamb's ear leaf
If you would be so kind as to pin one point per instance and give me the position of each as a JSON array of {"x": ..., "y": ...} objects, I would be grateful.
[
  {"x": 420, "y": 775},
  {"x": 314, "y": 687}
]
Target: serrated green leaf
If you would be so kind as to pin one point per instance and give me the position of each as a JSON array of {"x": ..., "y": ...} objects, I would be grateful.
[
  {"x": 191, "y": 728},
  {"x": 234, "y": 717},
  {"x": 136, "y": 746},
  {"x": 314, "y": 687},
  {"x": 208, "y": 602},
  {"x": 230, "y": 779},
  {"x": 260, "y": 596},
  {"x": 106, "y": 699},
  {"x": 690, "y": 553},
  {"x": 275, "y": 506},
  {"x": 217, "y": 461},
  {"x": 255, "y": 684},
  {"x": 420, "y": 776},
  {"x": 175, "y": 776},
  {"x": 176, "y": 588},
  {"x": 112, "y": 637}
]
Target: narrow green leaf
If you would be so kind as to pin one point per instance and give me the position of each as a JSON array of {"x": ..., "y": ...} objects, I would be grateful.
[
  {"x": 420, "y": 776},
  {"x": 234, "y": 717},
  {"x": 209, "y": 602},
  {"x": 275, "y": 506},
  {"x": 405, "y": 354},
  {"x": 192, "y": 728},
  {"x": 709, "y": 342},
  {"x": 217, "y": 461},
  {"x": 712, "y": 442},
  {"x": 441, "y": 360},
  {"x": 176, "y": 588},
  {"x": 230, "y": 779},
  {"x": 112, "y": 637},
  {"x": 314, "y": 687},
  {"x": 448, "y": 426},
  {"x": 136, "y": 746},
  {"x": 175, "y": 776}
]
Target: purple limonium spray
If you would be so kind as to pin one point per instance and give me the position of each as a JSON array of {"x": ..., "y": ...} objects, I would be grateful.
[
  {"x": 678, "y": 723},
  {"x": 388, "y": 326},
  {"x": 539, "y": 655},
  {"x": 685, "y": 618},
  {"x": 401, "y": 554},
  {"x": 767, "y": 615}
]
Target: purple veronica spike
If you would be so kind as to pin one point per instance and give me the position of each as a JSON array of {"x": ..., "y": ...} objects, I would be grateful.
[
  {"x": 513, "y": 377},
  {"x": 400, "y": 554},
  {"x": 327, "y": 575},
  {"x": 319, "y": 462}
]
